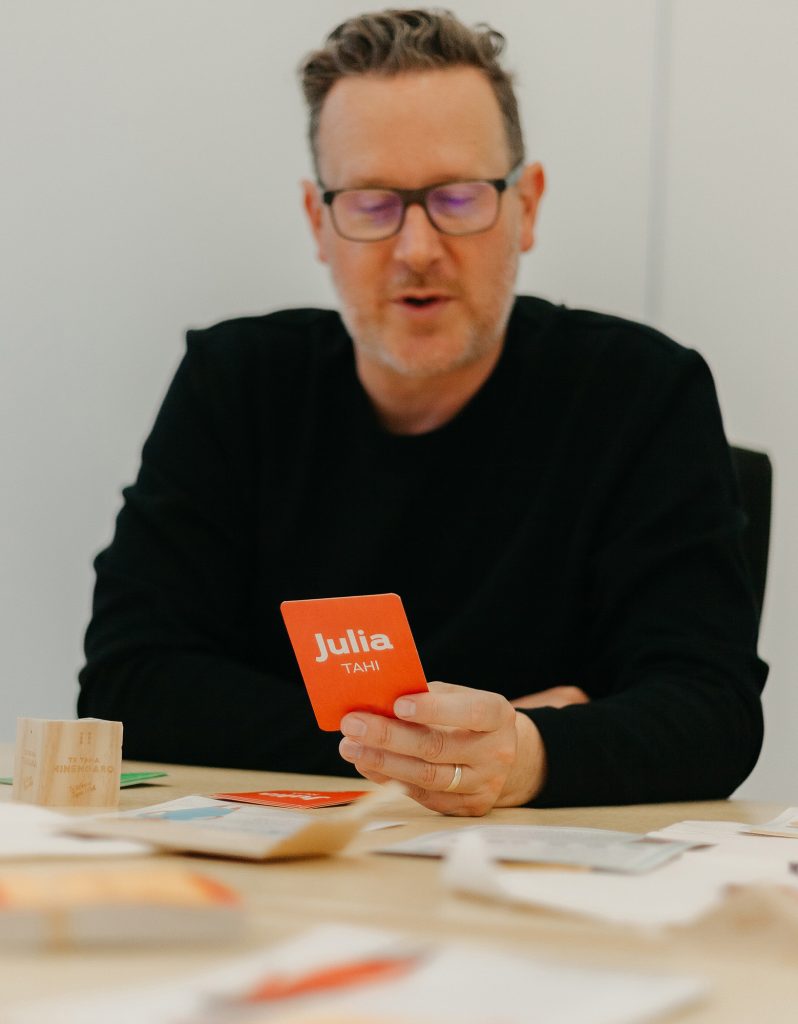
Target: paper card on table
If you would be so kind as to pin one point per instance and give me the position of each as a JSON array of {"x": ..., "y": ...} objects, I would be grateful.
[
  {"x": 112, "y": 905},
  {"x": 354, "y": 653},
  {"x": 28, "y": 831},
  {"x": 298, "y": 799},
  {"x": 137, "y": 778},
  {"x": 699, "y": 833},
  {"x": 221, "y": 828},
  {"x": 785, "y": 825},
  {"x": 678, "y": 893},
  {"x": 127, "y": 778},
  {"x": 340, "y": 973},
  {"x": 596, "y": 848},
  {"x": 649, "y": 901},
  {"x": 739, "y": 840}
]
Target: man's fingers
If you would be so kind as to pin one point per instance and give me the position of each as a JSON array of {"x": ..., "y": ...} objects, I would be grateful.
[
  {"x": 377, "y": 764},
  {"x": 362, "y": 731},
  {"x": 455, "y": 706},
  {"x": 427, "y": 743},
  {"x": 437, "y": 686},
  {"x": 452, "y": 746}
]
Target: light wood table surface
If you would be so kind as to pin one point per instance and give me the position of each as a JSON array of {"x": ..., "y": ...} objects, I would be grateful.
[{"x": 751, "y": 963}]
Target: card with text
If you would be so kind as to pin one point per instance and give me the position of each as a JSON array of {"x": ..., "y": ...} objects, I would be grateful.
[
  {"x": 296, "y": 798},
  {"x": 354, "y": 653}
]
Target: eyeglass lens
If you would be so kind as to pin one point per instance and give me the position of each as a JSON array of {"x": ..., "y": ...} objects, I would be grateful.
[{"x": 460, "y": 208}]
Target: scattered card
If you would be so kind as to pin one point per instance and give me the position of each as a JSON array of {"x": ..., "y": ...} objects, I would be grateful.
[
  {"x": 296, "y": 798},
  {"x": 28, "y": 831},
  {"x": 127, "y": 779},
  {"x": 596, "y": 848},
  {"x": 139, "y": 778},
  {"x": 785, "y": 825},
  {"x": 226, "y": 829},
  {"x": 112, "y": 905},
  {"x": 354, "y": 653},
  {"x": 342, "y": 973}
]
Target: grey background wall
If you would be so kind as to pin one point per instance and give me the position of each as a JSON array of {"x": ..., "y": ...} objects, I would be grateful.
[{"x": 150, "y": 154}]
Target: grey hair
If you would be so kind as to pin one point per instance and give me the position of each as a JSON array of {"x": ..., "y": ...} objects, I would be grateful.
[{"x": 393, "y": 42}]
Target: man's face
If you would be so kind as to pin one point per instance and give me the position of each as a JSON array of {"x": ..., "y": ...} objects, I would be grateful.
[{"x": 409, "y": 131}]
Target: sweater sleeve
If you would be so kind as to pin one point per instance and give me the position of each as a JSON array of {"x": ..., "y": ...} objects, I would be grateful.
[
  {"x": 671, "y": 656},
  {"x": 169, "y": 646}
]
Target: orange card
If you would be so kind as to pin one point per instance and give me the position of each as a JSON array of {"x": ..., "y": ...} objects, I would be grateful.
[
  {"x": 355, "y": 654},
  {"x": 298, "y": 798}
]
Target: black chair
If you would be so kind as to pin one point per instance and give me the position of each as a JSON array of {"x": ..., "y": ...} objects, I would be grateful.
[{"x": 755, "y": 476}]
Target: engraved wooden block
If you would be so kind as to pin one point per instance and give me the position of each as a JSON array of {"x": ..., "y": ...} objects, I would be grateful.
[{"x": 75, "y": 763}]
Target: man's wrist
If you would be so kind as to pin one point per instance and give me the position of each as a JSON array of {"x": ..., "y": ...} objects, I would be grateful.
[{"x": 528, "y": 774}]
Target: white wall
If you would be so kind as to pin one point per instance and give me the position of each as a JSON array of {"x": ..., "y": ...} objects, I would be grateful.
[
  {"x": 149, "y": 163},
  {"x": 729, "y": 280}
]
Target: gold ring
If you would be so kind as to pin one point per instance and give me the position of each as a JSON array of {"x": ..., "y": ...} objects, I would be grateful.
[{"x": 458, "y": 774}]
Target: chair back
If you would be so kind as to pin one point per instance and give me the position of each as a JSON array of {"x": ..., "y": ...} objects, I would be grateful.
[{"x": 755, "y": 476}]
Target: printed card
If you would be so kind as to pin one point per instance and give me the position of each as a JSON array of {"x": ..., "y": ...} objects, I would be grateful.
[
  {"x": 296, "y": 798},
  {"x": 355, "y": 654}
]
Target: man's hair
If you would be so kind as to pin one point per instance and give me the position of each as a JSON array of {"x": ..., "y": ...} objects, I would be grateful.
[{"x": 393, "y": 42}]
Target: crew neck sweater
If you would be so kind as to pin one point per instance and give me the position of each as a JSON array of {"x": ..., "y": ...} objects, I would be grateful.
[{"x": 577, "y": 523}]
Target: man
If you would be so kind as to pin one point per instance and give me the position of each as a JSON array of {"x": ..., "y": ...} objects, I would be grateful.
[{"x": 548, "y": 490}]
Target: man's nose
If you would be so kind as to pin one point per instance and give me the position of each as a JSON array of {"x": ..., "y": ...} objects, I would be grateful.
[{"x": 418, "y": 244}]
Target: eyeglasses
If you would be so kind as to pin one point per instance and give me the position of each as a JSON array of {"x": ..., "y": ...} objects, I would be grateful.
[{"x": 453, "y": 207}]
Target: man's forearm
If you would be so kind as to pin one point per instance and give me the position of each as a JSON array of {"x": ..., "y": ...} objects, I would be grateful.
[
  {"x": 673, "y": 738},
  {"x": 202, "y": 708}
]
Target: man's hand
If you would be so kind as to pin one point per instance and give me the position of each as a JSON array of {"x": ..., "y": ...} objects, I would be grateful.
[
  {"x": 556, "y": 697},
  {"x": 499, "y": 752}
]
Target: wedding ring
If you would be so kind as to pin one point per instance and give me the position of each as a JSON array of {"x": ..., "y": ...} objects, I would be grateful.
[{"x": 458, "y": 774}]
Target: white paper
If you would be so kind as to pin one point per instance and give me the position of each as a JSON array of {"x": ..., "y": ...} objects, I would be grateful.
[
  {"x": 785, "y": 825},
  {"x": 450, "y": 983},
  {"x": 703, "y": 833},
  {"x": 221, "y": 815},
  {"x": 29, "y": 831},
  {"x": 678, "y": 893},
  {"x": 229, "y": 829},
  {"x": 596, "y": 848},
  {"x": 774, "y": 840}
]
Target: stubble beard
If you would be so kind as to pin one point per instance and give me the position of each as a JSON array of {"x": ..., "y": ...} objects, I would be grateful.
[
  {"x": 417, "y": 359},
  {"x": 482, "y": 335}
]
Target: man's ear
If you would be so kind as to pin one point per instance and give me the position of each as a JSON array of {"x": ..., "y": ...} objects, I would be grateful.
[
  {"x": 314, "y": 209},
  {"x": 531, "y": 186}
]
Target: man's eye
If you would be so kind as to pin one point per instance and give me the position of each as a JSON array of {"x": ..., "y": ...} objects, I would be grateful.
[
  {"x": 454, "y": 200},
  {"x": 377, "y": 206}
]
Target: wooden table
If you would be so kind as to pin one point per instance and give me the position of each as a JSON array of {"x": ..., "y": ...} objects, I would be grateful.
[{"x": 751, "y": 964}]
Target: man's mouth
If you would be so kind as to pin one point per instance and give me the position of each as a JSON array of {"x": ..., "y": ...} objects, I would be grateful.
[{"x": 421, "y": 301}]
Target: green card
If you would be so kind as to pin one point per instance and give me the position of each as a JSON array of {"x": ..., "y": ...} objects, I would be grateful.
[
  {"x": 134, "y": 778},
  {"x": 128, "y": 778}
]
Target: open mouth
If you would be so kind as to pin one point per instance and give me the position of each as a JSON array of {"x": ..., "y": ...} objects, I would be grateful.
[{"x": 422, "y": 301}]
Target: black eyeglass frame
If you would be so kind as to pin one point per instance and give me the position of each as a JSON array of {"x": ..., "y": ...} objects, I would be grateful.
[{"x": 418, "y": 196}]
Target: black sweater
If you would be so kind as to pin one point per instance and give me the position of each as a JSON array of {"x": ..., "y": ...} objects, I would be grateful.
[{"x": 577, "y": 523}]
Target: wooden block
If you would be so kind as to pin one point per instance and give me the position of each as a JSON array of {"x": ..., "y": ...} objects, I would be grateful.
[{"x": 74, "y": 763}]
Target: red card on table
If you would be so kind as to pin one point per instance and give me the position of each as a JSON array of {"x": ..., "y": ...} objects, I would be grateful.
[
  {"x": 355, "y": 654},
  {"x": 294, "y": 797}
]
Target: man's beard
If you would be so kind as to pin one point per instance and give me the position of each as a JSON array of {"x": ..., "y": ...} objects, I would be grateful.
[{"x": 411, "y": 359}]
